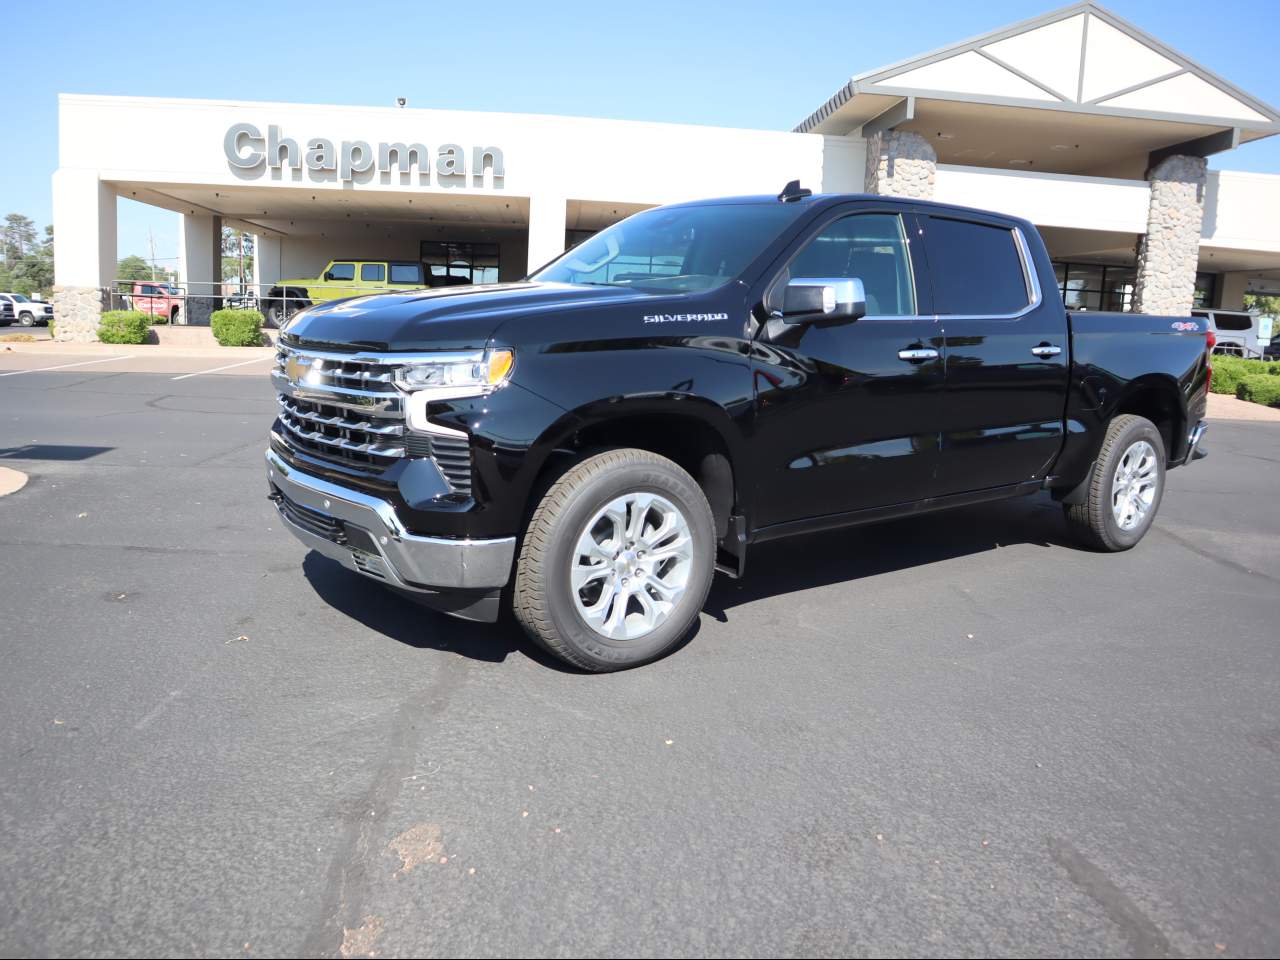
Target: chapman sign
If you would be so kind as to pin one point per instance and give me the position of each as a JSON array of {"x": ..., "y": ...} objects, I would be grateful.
[{"x": 249, "y": 152}]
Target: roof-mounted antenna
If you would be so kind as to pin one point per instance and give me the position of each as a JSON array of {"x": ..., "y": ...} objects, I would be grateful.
[{"x": 793, "y": 191}]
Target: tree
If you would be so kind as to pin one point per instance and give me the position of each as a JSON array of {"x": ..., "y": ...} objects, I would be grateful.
[
  {"x": 18, "y": 238},
  {"x": 237, "y": 256},
  {"x": 133, "y": 267},
  {"x": 1268, "y": 305}
]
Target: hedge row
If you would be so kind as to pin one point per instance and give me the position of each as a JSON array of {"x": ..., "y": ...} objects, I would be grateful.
[
  {"x": 1255, "y": 380},
  {"x": 123, "y": 326},
  {"x": 237, "y": 328},
  {"x": 1260, "y": 388}
]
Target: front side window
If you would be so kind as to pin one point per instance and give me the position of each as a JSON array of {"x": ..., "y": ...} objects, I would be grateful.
[
  {"x": 342, "y": 271},
  {"x": 373, "y": 272},
  {"x": 976, "y": 269},
  {"x": 675, "y": 249},
  {"x": 871, "y": 247}
]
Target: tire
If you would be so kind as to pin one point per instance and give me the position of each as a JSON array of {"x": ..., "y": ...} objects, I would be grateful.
[
  {"x": 27, "y": 319},
  {"x": 1121, "y": 505},
  {"x": 559, "y": 618},
  {"x": 278, "y": 311}
]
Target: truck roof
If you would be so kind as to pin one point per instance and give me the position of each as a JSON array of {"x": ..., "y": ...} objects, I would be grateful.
[{"x": 822, "y": 200}]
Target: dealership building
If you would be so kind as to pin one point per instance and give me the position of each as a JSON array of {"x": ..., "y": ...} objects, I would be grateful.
[{"x": 1076, "y": 120}]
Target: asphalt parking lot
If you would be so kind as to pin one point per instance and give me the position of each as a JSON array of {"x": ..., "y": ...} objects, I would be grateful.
[{"x": 953, "y": 734}]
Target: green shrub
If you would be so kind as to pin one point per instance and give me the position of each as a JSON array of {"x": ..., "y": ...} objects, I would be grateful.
[
  {"x": 237, "y": 328},
  {"x": 1228, "y": 371},
  {"x": 123, "y": 326},
  {"x": 1260, "y": 388}
]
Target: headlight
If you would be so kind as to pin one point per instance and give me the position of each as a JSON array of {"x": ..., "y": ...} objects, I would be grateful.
[{"x": 457, "y": 375}]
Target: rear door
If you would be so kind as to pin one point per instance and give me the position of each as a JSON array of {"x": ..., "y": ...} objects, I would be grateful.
[
  {"x": 846, "y": 415},
  {"x": 1007, "y": 352}
]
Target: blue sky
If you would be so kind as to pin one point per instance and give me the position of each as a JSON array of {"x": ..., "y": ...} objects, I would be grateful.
[{"x": 741, "y": 64}]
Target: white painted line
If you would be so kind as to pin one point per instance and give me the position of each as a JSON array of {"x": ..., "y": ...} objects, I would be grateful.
[
  {"x": 63, "y": 366},
  {"x": 229, "y": 366}
]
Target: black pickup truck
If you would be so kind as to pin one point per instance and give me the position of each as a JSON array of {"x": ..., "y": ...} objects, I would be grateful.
[{"x": 591, "y": 445}]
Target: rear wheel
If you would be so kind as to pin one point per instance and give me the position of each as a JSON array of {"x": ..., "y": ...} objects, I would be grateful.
[
  {"x": 1125, "y": 489},
  {"x": 616, "y": 561},
  {"x": 278, "y": 311}
]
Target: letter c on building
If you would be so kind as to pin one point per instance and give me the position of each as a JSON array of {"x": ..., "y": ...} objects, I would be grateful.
[{"x": 232, "y": 142}]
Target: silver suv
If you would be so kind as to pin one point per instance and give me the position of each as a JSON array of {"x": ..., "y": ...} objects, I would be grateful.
[{"x": 1238, "y": 333}]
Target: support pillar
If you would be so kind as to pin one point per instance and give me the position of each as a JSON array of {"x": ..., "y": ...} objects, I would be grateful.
[
  {"x": 900, "y": 164},
  {"x": 84, "y": 223},
  {"x": 1170, "y": 251},
  {"x": 547, "y": 216},
  {"x": 200, "y": 273}
]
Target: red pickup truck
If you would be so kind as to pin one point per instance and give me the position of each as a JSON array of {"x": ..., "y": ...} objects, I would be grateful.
[{"x": 157, "y": 299}]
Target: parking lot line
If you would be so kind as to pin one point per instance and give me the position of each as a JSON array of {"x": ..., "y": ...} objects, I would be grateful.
[
  {"x": 63, "y": 366},
  {"x": 229, "y": 366}
]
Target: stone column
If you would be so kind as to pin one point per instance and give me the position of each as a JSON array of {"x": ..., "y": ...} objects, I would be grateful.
[
  {"x": 1170, "y": 250},
  {"x": 900, "y": 164},
  {"x": 84, "y": 223},
  {"x": 200, "y": 274}
]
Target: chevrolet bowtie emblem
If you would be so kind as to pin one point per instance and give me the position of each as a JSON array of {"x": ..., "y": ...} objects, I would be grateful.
[{"x": 297, "y": 367}]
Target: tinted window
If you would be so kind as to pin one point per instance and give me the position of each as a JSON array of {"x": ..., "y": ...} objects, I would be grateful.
[
  {"x": 872, "y": 248},
  {"x": 406, "y": 273},
  {"x": 975, "y": 268},
  {"x": 1233, "y": 321},
  {"x": 373, "y": 272},
  {"x": 343, "y": 271}
]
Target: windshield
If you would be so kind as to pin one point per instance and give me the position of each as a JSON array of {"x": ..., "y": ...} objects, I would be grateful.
[
  {"x": 19, "y": 298},
  {"x": 675, "y": 250}
]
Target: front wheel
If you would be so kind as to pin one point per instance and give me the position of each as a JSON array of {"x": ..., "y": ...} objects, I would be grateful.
[
  {"x": 27, "y": 320},
  {"x": 616, "y": 561},
  {"x": 1125, "y": 489}
]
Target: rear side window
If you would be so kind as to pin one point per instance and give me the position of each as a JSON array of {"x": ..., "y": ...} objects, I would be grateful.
[
  {"x": 1233, "y": 321},
  {"x": 373, "y": 272},
  {"x": 976, "y": 269},
  {"x": 406, "y": 273},
  {"x": 343, "y": 271},
  {"x": 870, "y": 247}
]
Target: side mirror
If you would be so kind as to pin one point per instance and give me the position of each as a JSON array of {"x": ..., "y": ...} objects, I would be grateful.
[
  {"x": 328, "y": 274},
  {"x": 806, "y": 300}
]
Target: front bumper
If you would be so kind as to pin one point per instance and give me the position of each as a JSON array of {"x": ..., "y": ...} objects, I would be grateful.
[{"x": 364, "y": 534}]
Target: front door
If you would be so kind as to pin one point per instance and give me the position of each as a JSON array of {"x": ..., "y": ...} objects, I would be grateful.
[
  {"x": 847, "y": 415},
  {"x": 1007, "y": 354}
]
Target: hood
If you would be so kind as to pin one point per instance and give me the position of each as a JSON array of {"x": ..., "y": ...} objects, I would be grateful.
[{"x": 448, "y": 318}]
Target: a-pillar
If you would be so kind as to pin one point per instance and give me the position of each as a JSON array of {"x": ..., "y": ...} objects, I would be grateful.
[
  {"x": 900, "y": 164},
  {"x": 1170, "y": 251},
  {"x": 200, "y": 256},
  {"x": 84, "y": 223},
  {"x": 547, "y": 217}
]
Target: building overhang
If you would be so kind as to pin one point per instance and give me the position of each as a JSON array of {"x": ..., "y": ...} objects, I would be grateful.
[{"x": 1078, "y": 90}]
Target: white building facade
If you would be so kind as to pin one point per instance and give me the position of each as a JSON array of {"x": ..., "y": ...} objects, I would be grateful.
[{"x": 1077, "y": 121}]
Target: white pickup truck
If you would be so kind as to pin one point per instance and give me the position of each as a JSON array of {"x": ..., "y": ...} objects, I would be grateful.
[{"x": 26, "y": 311}]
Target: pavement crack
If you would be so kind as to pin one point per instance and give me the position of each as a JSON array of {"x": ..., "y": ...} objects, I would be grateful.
[
  {"x": 1210, "y": 555},
  {"x": 1144, "y": 937},
  {"x": 360, "y": 854}
]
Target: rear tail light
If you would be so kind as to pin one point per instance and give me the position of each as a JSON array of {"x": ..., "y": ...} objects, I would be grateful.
[{"x": 1210, "y": 341}]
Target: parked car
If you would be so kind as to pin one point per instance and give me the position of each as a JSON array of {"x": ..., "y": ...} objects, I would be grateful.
[
  {"x": 28, "y": 312},
  {"x": 599, "y": 440},
  {"x": 6, "y": 313},
  {"x": 340, "y": 279},
  {"x": 155, "y": 298},
  {"x": 1239, "y": 333}
]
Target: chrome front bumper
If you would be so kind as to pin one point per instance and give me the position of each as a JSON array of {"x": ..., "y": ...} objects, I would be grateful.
[{"x": 364, "y": 534}]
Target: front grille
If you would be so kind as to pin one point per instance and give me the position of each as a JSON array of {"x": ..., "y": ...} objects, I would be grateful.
[
  {"x": 334, "y": 433},
  {"x": 321, "y": 524},
  {"x": 350, "y": 411}
]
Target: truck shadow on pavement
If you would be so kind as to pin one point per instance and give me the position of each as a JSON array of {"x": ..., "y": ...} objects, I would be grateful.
[
  {"x": 784, "y": 566},
  {"x": 856, "y": 553}
]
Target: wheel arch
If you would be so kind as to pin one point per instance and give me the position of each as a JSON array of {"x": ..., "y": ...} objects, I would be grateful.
[
  {"x": 1158, "y": 398},
  {"x": 693, "y": 432}
]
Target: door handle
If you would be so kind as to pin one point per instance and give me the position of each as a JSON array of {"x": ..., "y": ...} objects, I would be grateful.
[
  {"x": 918, "y": 354},
  {"x": 1046, "y": 350}
]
